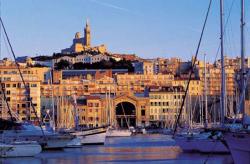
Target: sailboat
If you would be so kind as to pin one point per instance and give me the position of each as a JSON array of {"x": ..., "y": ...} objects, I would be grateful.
[
  {"x": 87, "y": 136},
  {"x": 238, "y": 140},
  {"x": 114, "y": 131},
  {"x": 13, "y": 130},
  {"x": 207, "y": 141}
]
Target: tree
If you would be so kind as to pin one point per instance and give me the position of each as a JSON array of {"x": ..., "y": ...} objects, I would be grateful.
[{"x": 62, "y": 64}]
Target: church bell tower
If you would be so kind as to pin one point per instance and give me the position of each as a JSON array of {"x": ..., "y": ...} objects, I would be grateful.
[{"x": 87, "y": 37}]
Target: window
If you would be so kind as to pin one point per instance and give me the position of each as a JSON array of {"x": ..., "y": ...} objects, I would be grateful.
[
  {"x": 143, "y": 112},
  {"x": 8, "y": 92},
  {"x": 7, "y": 85},
  {"x": 14, "y": 85},
  {"x": 33, "y": 85}
]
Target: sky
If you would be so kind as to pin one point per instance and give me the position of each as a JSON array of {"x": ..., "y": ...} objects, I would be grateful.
[{"x": 147, "y": 28}]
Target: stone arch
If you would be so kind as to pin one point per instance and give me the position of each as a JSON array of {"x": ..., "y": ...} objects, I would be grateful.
[{"x": 125, "y": 114}]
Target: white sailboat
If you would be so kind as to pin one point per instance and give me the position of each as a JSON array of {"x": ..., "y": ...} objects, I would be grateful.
[
  {"x": 114, "y": 131},
  {"x": 92, "y": 136},
  {"x": 87, "y": 136},
  {"x": 29, "y": 132}
]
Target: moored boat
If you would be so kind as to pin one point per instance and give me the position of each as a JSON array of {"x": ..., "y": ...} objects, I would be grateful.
[
  {"x": 91, "y": 136},
  {"x": 239, "y": 145},
  {"x": 28, "y": 132},
  {"x": 204, "y": 142},
  {"x": 20, "y": 149},
  {"x": 112, "y": 132}
]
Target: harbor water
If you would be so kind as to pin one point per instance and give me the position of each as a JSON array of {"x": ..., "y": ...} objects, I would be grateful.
[{"x": 152, "y": 148}]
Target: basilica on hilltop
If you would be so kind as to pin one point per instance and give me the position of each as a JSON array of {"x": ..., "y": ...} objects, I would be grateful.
[{"x": 82, "y": 44}]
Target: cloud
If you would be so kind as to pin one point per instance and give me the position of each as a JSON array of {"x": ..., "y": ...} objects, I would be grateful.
[{"x": 112, "y": 6}]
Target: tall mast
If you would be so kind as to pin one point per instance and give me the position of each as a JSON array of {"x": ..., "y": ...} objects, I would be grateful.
[
  {"x": 205, "y": 90},
  {"x": 223, "y": 81},
  {"x": 76, "y": 121},
  {"x": 243, "y": 56},
  {"x": 53, "y": 102}
]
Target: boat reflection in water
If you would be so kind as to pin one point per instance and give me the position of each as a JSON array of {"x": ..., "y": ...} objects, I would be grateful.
[{"x": 139, "y": 148}]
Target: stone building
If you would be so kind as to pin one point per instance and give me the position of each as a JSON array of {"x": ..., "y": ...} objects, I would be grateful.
[
  {"x": 16, "y": 94},
  {"x": 138, "y": 82},
  {"x": 144, "y": 67},
  {"x": 165, "y": 103},
  {"x": 97, "y": 110},
  {"x": 80, "y": 58}
]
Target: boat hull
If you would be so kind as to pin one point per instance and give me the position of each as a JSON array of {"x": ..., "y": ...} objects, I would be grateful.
[
  {"x": 76, "y": 142},
  {"x": 201, "y": 145},
  {"x": 239, "y": 145},
  {"x": 95, "y": 136},
  {"x": 118, "y": 133},
  {"x": 58, "y": 142},
  {"x": 22, "y": 150},
  {"x": 51, "y": 141}
]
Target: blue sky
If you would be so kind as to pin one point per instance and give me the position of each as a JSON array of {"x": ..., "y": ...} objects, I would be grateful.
[{"x": 148, "y": 28}]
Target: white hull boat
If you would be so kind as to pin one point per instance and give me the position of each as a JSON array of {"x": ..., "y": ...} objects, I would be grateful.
[
  {"x": 20, "y": 149},
  {"x": 51, "y": 141},
  {"x": 95, "y": 136},
  {"x": 239, "y": 145},
  {"x": 118, "y": 133},
  {"x": 28, "y": 132}
]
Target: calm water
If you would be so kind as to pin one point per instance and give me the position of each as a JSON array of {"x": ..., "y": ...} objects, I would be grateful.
[{"x": 139, "y": 149}]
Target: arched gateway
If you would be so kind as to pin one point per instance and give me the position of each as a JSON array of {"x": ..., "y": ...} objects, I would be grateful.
[
  {"x": 130, "y": 110},
  {"x": 125, "y": 114}
]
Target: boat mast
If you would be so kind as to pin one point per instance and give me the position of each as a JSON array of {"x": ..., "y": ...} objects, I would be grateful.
[
  {"x": 76, "y": 120},
  {"x": 223, "y": 81},
  {"x": 243, "y": 57},
  {"x": 205, "y": 91},
  {"x": 53, "y": 103}
]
